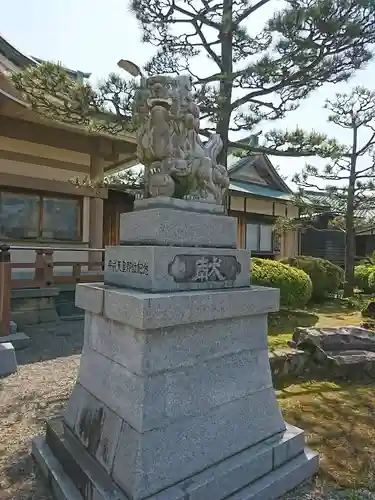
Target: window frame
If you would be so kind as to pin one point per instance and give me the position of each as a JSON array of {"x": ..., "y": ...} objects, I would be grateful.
[
  {"x": 258, "y": 224},
  {"x": 41, "y": 195}
]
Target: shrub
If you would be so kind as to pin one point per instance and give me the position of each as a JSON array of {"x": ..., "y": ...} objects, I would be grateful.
[
  {"x": 371, "y": 282},
  {"x": 368, "y": 311},
  {"x": 326, "y": 278},
  {"x": 294, "y": 284},
  {"x": 361, "y": 275}
]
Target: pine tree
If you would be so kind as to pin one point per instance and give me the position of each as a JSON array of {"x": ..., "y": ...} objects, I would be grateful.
[
  {"x": 350, "y": 177},
  {"x": 261, "y": 74}
]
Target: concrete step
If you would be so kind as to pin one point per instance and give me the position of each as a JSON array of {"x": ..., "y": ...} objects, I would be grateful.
[{"x": 261, "y": 472}]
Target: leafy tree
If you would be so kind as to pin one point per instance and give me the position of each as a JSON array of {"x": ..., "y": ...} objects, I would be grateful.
[
  {"x": 261, "y": 74},
  {"x": 350, "y": 177}
]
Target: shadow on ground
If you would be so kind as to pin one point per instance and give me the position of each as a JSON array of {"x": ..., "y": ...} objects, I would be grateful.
[
  {"x": 26, "y": 480},
  {"x": 50, "y": 341},
  {"x": 339, "y": 421},
  {"x": 20, "y": 477},
  {"x": 285, "y": 321}
]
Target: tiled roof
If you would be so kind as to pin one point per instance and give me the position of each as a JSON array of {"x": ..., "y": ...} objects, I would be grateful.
[
  {"x": 255, "y": 190},
  {"x": 21, "y": 60},
  {"x": 323, "y": 201}
]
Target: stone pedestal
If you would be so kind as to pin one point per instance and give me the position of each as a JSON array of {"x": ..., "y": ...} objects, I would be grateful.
[{"x": 174, "y": 398}]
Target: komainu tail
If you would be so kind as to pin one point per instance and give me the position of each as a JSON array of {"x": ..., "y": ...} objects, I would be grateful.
[{"x": 213, "y": 147}]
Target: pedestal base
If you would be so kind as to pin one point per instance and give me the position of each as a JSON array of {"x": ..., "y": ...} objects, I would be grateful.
[{"x": 261, "y": 472}]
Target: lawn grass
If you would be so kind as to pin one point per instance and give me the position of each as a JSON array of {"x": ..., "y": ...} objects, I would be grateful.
[
  {"x": 337, "y": 417},
  {"x": 339, "y": 422}
]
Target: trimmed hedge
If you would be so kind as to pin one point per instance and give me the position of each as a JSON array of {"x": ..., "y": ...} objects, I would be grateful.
[
  {"x": 326, "y": 278},
  {"x": 294, "y": 284},
  {"x": 362, "y": 275},
  {"x": 371, "y": 282},
  {"x": 368, "y": 311}
]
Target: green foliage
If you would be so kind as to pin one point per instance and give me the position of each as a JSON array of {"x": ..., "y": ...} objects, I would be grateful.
[
  {"x": 350, "y": 186},
  {"x": 294, "y": 284},
  {"x": 260, "y": 72},
  {"x": 369, "y": 260},
  {"x": 326, "y": 278},
  {"x": 371, "y": 281},
  {"x": 55, "y": 95},
  {"x": 361, "y": 275}
]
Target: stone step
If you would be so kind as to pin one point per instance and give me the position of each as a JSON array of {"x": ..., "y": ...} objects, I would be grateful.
[
  {"x": 19, "y": 340},
  {"x": 280, "y": 481},
  {"x": 261, "y": 472},
  {"x": 8, "y": 362}
]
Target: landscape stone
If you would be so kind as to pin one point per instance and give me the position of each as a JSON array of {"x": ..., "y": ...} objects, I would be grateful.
[
  {"x": 336, "y": 339},
  {"x": 8, "y": 362},
  {"x": 160, "y": 269},
  {"x": 344, "y": 352},
  {"x": 163, "y": 226},
  {"x": 288, "y": 362}
]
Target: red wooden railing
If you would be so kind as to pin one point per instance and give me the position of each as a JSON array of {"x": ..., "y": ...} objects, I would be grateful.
[{"x": 44, "y": 273}]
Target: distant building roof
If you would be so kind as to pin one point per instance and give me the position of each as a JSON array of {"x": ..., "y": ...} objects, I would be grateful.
[
  {"x": 325, "y": 202},
  {"x": 21, "y": 60}
]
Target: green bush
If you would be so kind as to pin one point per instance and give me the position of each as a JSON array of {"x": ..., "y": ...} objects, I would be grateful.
[
  {"x": 326, "y": 278},
  {"x": 371, "y": 282},
  {"x": 368, "y": 311},
  {"x": 294, "y": 284},
  {"x": 362, "y": 274}
]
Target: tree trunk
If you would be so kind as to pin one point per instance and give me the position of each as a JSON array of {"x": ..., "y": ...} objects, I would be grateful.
[
  {"x": 225, "y": 104},
  {"x": 349, "y": 222}
]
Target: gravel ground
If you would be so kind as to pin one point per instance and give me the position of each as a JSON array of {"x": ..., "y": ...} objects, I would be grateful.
[{"x": 40, "y": 389}]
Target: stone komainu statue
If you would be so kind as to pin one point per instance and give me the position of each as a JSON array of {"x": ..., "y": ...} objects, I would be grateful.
[{"x": 177, "y": 163}]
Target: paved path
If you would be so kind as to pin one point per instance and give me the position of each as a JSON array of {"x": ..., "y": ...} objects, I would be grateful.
[{"x": 52, "y": 340}]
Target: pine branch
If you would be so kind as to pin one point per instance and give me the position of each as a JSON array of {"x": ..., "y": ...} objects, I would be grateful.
[{"x": 247, "y": 12}]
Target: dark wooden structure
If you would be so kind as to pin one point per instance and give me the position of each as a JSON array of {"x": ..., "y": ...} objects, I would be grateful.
[
  {"x": 44, "y": 273},
  {"x": 318, "y": 240},
  {"x": 117, "y": 203}
]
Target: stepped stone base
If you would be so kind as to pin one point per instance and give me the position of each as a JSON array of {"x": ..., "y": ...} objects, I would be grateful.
[
  {"x": 174, "y": 397},
  {"x": 261, "y": 472}
]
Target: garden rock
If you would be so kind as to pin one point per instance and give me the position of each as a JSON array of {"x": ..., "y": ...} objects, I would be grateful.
[
  {"x": 345, "y": 352},
  {"x": 287, "y": 362}
]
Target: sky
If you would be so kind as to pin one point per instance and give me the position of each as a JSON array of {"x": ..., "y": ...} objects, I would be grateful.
[{"x": 92, "y": 35}]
